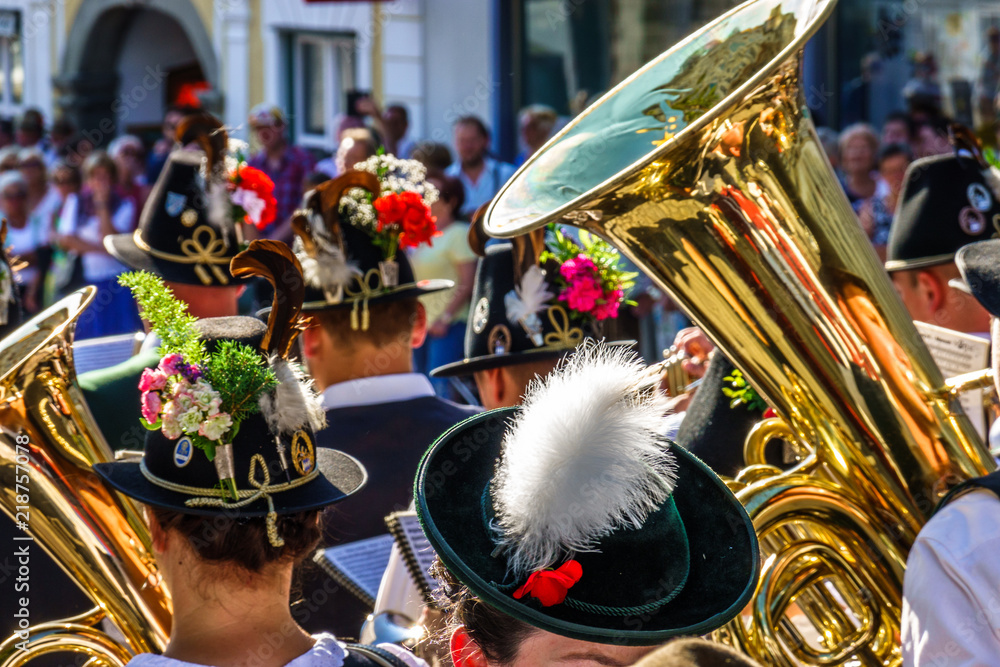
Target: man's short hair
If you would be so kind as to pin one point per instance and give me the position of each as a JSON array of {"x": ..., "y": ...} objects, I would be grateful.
[
  {"x": 388, "y": 323},
  {"x": 476, "y": 122}
]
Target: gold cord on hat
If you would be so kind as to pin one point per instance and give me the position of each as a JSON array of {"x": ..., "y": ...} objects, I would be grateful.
[
  {"x": 206, "y": 255},
  {"x": 215, "y": 497},
  {"x": 564, "y": 336}
]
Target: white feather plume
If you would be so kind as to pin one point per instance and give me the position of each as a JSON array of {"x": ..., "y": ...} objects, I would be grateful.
[
  {"x": 219, "y": 205},
  {"x": 329, "y": 269},
  {"x": 294, "y": 404},
  {"x": 529, "y": 297},
  {"x": 582, "y": 459},
  {"x": 992, "y": 176}
]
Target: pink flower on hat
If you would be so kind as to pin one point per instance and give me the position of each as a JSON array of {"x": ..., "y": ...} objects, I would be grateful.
[
  {"x": 171, "y": 364},
  {"x": 151, "y": 404},
  {"x": 152, "y": 380}
]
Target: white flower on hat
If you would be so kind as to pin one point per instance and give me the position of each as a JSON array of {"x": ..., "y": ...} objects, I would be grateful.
[{"x": 583, "y": 458}]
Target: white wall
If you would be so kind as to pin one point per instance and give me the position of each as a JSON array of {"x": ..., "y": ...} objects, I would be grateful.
[
  {"x": 156, "y": 41},
  {"x": 459, "y": 71}
]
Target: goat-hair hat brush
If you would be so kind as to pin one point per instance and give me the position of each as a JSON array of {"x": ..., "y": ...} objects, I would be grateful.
[{"x": 572, "y": 513}]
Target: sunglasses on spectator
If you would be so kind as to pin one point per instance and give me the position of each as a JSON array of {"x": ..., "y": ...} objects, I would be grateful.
[
  {"x": 15, "y": 195},
  {"x": 34, "y": 164}
]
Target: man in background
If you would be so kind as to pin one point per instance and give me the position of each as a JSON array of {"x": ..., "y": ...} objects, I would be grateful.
[{"x": 481, "y": 176}]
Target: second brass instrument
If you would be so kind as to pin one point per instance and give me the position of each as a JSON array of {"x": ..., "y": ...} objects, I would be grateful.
[{"x": 704, "y": 168}]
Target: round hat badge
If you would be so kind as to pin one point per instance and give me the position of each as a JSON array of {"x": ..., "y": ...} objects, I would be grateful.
[
  {"x": 972, "y": 221},
  {"x": 182, "y": 452},
  {"x": 481, "y": 315},
  {"x": 979, "y": 197}
]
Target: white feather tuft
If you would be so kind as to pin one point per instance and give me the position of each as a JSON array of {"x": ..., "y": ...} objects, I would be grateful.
[
  {"x": 329, "y": 270},
  {"x": 582, "y": 459},
  {"x": 992, "y": 176},
  {"x": 219, "y": 206},
  {"x": 529, "y": 297},
  {"x": 294, "y": 404}
]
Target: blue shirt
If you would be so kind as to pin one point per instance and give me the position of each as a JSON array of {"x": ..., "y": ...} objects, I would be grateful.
[{"x": 492, "y": 178}]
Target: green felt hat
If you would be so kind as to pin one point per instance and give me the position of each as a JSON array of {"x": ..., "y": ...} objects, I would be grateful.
[{"x": 575, "y": 494}]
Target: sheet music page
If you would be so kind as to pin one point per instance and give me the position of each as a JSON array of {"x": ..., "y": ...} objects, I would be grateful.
[
  {"x": 363, "y": 562},
  {"x": 957, "y": 353},
  {"x": 421, "y": 548}
]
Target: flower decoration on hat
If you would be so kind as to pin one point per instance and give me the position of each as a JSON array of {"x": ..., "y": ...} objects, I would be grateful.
[
  {"x": 569, "y": 282},
  {"x": 396, "y": 216},
  {"x": 206, "y": 395},
  {"x": 582, "y": 460},
  {"x": 251, "y": 191}
]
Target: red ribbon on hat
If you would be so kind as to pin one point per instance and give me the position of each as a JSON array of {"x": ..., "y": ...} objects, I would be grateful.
[{"x": 551, "y": 586}]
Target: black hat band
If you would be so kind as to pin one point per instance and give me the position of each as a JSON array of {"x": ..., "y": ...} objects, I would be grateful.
[
  {"x": 216, "y": 497},
  {"x": 207, "y": 255}
]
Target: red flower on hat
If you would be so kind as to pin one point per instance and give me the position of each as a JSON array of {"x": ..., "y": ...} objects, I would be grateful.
[
  {"x": 253, "y": 191},
  {"x": 551, "y": 586},
  {"x": 406, "y": 213}
]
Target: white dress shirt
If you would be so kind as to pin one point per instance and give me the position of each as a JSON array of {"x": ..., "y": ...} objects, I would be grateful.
[
  {"x": 377, "y": 389},
  {"x": 951, "y": 592}
]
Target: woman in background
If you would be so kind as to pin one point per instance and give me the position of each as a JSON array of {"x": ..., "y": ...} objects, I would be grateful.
[
  {"x": 27, "y": 240},
  {"x": 449, "y": 258},
  {"x": 103, "y": 212}
]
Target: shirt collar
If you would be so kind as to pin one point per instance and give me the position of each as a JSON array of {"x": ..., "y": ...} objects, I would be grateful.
[{"x": 377, "y": 389}]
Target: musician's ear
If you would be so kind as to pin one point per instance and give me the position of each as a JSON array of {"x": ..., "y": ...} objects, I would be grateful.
[
  {"x": 157, "y": 534},
  {"x": 489, "y": 382},
  {"x": 464, "y": 651},
  {"x": 419, "y": 332}
]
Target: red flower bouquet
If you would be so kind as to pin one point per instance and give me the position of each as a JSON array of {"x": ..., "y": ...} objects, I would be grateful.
[{"x": 252, "y": 195}]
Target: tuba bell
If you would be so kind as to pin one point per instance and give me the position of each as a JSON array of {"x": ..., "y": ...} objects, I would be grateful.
[
  {"x": 48, "y": 445},
  {"x": 704, "y": 168}
]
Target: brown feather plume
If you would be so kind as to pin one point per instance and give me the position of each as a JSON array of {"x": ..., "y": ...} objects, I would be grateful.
[
  {"x": 205, "y": 130},
  {"x": 275, "y": 262},
  {"x": 961, "y": 137},
  {"x": 477, "y": 231},
  {"x": 3, "y": 232},
  {"x": 528, "y": 248}
]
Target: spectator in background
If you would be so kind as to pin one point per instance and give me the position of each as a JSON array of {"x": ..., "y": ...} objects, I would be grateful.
[
  {"x": 481, "y": 176},
  {"x": 43, "y": 199},
  {"x": 60, "y": 138},
  {"x": 858, "y": 91},
  {"x": 932, "y": 138},
  {"x": 395, "y": 125},
  {"x": 313, "y": 179},
  {"x": 30, "y": 130},
  {"x": 287, "y": 166},
  {"x": 6, "y": 132},
  {"x": 858, "y": 148},
  {"x": 829, "y": 139},
  {"x": 8, "y": 158},
  {"x": 434, "y": 156},
  {"x": 450, "y": 258},
  {"x": 127, "y": 151},
  {"x": 876, "y": 213},
  {"x": 26, "y": 240},
  {"x": 922, "y": 90},
  {"x": 536, "y": 123},
  {"x": 103, "y": 213},
  {"x": 898, "y": 128},
  {"x": 356, "y": 145},
  {"x": 66, "y": 266},
  {"x": 161, "y": 149}
]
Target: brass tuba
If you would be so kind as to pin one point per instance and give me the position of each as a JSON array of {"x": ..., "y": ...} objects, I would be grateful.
[
  {"x": 704, "y": 168},
  {"x": 48, "y": 443}
]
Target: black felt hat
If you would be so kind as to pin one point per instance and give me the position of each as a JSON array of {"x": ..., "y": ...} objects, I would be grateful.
[
  {"x": 342, "y": 264},
  {"x": 182, "y": 236},
  {"x": 979, "y": 264},
  {"x": 276, "y": 467},
  {"x": 493, "y": 340},
  {"x": 947, "y": 202},
  {"x": 685, "y": 563}
]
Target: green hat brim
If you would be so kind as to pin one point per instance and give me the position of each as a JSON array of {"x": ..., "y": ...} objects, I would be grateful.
[{"x": 724, "y": 553}]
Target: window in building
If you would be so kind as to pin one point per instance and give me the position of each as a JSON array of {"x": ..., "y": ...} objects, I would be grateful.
[
  {"x": 322, "y": 72},
  {"x": 11, "y": 63}
]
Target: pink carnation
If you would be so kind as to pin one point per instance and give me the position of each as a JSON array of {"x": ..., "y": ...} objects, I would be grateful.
[
  {"x": 170, "y": 364},
  {"x": 579, "y": 266},
  {"x": 152, "y": 380},
  {"x": 151, "y": 404},
  {"x": 582, "y": 293},
  {"x": 609, "y": 309}
]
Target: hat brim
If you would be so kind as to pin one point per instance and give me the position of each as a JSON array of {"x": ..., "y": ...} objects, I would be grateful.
[
  {"x": 485, "y": 362},
  {"x": 124, "y": 248},
  {"x": 724, "y": 553},
  {"x": 340, "y": 475},
  {"x": 979, "y": 264}
]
